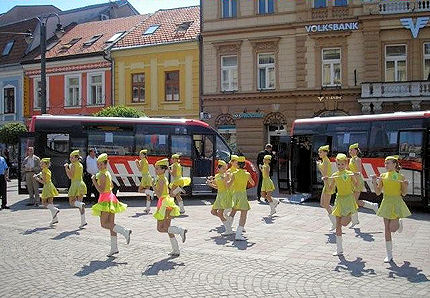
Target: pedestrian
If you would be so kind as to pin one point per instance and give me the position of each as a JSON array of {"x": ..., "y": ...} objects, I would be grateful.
[
  {"x": 77, "y": 189},
  {"x": 146, "y": 181},
  {"x": 393, "y": 208},
  {"x": 267, "y": 186},
  {"x": 325, "y": 168},
  {"x": 166, "y": 207},
  {"x": 91, "y": 170},
  {"x": 260, "y": 157},
  {"x": 238, "y": 184},
  {"x": 31, "y": 166},
  {"x": 4, "y": 177},
  {"x": 178, "y": 182},
  {"x": 108, "y": 205},
  {"x": 355, "y": 166},
  {"x": 49, "y": 192},
  {"x": 345, "y": 204},
  {"x": 223, "y": 199}
]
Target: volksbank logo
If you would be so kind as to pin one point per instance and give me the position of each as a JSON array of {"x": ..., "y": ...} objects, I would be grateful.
[
  {"x": 408, "y": 23},
  {"x": 332, "y": 27}
]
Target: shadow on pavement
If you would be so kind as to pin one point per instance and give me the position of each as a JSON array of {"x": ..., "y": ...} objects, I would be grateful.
[
  {"x": 331, "y": 238},
  {"x": 269, "y": 219},
  {"x": 365, "y": 236},
  {"x": 242, "y": 245},
  {"x": 163, "y": 265},
  {"x": 137, "y": 215},
  {"x": 412, "y": 274},
  {"x": 219, "y": 229},
  {"x": 35, "y": 230},
  {"x": 355, "y": 268},
  {"x": 97, "y": 265},
  {"x": 65, "y": 234}
]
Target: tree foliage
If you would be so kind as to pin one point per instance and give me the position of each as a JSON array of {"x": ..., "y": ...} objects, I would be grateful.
[
  {"x": 10, "y": 132},
  {"x": 120, "y": 111}
]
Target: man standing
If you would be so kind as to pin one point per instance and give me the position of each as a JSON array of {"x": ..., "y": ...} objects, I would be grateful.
[
  {"x": 4, "y": 177},
  {"x": 31, "y": 166},
  {"x": 267, "y": 151},
  {"x": 91, "y": 169}
]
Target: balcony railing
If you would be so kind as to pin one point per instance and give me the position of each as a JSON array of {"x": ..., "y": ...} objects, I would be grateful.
[
  {"x": 392, "y": 7},
  {"x": 395, "y": 89}
]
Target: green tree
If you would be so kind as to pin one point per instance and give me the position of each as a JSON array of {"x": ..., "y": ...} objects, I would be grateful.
[
  {"x": 120, "y": 111},
  {"x": 10, "y": 132}
]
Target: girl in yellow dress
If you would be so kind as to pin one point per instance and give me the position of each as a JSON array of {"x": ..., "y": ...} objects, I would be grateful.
[
  {"x": 325, "y": 168},
  {"x": 166, "y": 207},
  {"x": 355, "y": 166},
  {"x": 77, "y": 189},
  {"x": 233, "y": 163},
  {"x": 108, "y": 205},
  {"x": 238, "y": 183},
  {"x": 223, "y": 199},
  {"x": 393, "y": 208},
  {"x": 146, "y": 182},
  {"x": 345, "y": 204},
  {"x": 178, "y": 182},
  {"x": 49, "y": 192},
  {"x": 267, "y": 186}
]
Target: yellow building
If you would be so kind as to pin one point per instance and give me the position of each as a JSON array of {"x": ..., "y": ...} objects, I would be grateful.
[{"x": 156, "y": 65}]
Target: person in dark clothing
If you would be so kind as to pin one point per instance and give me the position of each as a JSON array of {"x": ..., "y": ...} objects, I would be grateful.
[
  {"x": 260, "y": 157},
  {"x": 4, "y": 177}
]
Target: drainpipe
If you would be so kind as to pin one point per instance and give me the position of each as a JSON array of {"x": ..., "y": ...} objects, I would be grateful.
[
  {"x": 105, "y": 56},
  {"x": 200, "y": 40}
]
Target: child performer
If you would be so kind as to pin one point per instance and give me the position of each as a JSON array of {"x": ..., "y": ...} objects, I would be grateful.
[
  {"x": 176, "y": 187},
  {"x": 238, "y": 184},
  {"x": 166, "y": 207},
  {"x": 77, "y": 189},
  {"x": 345, "y": 204},
  {"x": 355, "y": 166},
  {"x": 146, "y": 182},
  {"x": 393, "y": 208},
  {"x": 325, "y": 168},
  {"x": 108, "y": 205},
  {"x": 223, "y": 199},
  {"x": 233, "y": 167},
  {"x": 49, "y": 191},
  {"x": 267, "y": 186}
]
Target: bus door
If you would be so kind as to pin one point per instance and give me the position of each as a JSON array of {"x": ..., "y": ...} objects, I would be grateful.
[
  {"x": 317, "y": 142},
  {"x": 301, "y": 158},
  {"x": 203, "y": 162},
  {"x": 427, "y": 169},
  {"x": 411, "y": 159},
  {"x": 283, "y": 151},
  {"x": 25, "y": 141}
]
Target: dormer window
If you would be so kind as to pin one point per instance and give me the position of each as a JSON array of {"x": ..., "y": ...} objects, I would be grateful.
[
  {"x": 183, "y": 27},
  {"x": 7, "y": 48},
  {"x": 70, "y": 44},
  {"x": 115, "y": 37},
  {"x": 92, "y": 40},
  {"x": 151, "y": 29}
]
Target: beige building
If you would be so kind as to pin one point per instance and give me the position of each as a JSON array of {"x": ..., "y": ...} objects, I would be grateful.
[{"x": 267, "y": 63}]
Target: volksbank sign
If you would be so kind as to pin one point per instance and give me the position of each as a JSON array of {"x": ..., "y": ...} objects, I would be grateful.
[{"x": 332, "y": 27}]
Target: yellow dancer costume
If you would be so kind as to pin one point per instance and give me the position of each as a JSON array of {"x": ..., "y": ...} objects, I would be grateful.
[
  {"x": 325, "y": 165},
  {"x": 146, "y": 181},
  {"x": 267, "y": 183},
  {"x": 238, "y": 188},
  {"x": 353, "y": 168},
  {"x": 345, "y": 203},
  {"x": 166, "y": 204},
  {"x": 178, "y": 180},
  {"x": 77, "y": 187},
  {"x": 223, "y": 198},
  {"x": 233, "y": 168},
  {"x": 49, "y": 190}
]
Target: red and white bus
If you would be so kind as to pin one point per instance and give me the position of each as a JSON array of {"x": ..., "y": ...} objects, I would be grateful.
[
  {"x": 122, "y": 138},
  {"x": 406, "y": 134}
]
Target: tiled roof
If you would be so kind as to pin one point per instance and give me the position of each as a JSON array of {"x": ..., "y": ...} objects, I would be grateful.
[
  {"x": 167, "y": 32},
  {"x": 83, "y": 33},
  {"x": 22, "y": 12}
]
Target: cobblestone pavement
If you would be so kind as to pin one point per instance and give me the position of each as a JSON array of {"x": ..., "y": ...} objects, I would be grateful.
[{"x": 288, "y": 256}]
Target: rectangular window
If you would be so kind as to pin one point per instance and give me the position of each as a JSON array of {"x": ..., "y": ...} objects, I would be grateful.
[
  {"x": 8, "y": 47},
  {"x": 266, "y": 6},
  {"x": 73, "y": 91},
  {"x": 266, "y": 71},
  {"x": 96, "y": 94},
  {"x": 172, "y": 85},
  {"x": 320, "y": 3},
  {"x": 112, "y": 142},
  {"x": 37, "y": 93},
  {"x": 9, "y": 100},
  {"x": 340, "y": 2},
  {"x": 138, "y": 87},
  {"x": 181, "y": 144},
  {"x": 331, "y": 71},
  {"x": 229, "y": 78},
  {"x": 395, "y": 63},
  {"x": 229, "y": 8},
  {"x": 426, "y": 61}
]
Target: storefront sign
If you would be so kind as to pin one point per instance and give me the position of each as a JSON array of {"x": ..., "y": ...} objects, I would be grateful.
[
  {"x": 248, "y": 115},
  {"x": 408, "y": 23},
  {"x": 332, "y": 27},
  {"x": 330, "y": 97}
]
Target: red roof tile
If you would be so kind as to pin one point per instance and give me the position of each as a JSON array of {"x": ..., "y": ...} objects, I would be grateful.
[{"x": 167, "y": 32}]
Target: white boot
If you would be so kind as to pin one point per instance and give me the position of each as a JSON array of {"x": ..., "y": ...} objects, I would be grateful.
[
  {"x": 175, "y": 247},
  {"x": 228, "y": 230},
  {"x": 148, "y": 206},
  {"x": 83, "y": 220},
  {"x": 226, "y": 213},
  {"x": 178, "y": 231},
  {"x": 126, "y": 233},
  {"x": 373, "y": 206},
  {"x": 149, "y": 193},
  {"x": 176, "y": 191},
  {"x": 239, "y": 236},
  {"x": 354, "y": 219},
  {"x": 400, "y": 229},
  {"x": 54, "y": 213},
  {"x": 80, "y": 205},
  {"x": 339, "y": 248},
  {"x": 113, "y": 246},
  {"x": 272, "y": 208},
  {"x": 333, "y": 221},
  {"x": 181, "y": 207},
  {"x": 389, "y": 247}
]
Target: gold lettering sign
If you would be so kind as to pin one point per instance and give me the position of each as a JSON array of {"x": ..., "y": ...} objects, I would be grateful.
[{"x": 330, "y": 97}]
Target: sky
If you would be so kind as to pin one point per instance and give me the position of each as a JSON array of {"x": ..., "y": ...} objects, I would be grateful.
[{"x": 143, "y": 6}]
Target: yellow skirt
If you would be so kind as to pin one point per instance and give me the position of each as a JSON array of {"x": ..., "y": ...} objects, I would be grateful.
[
  {"x": 166, "y": 207},
  {"x": 223, "y": 200},
  {"x": 181, "y": 182},
  {"x": 360, "y": 185},
  {"x": 267, "y": 185},
  {"x": 146, "y": 181},
  {"x": 344, "y": 205},
  {"x": 240, "y": 201},
  {"x": 49, "y": 191},
  {"x": 393, "y": 207},
  {"x": 77, "y": 189}
]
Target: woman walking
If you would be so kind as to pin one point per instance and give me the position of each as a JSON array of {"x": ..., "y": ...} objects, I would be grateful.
[
  {"x": 146, "y": 181},
  {"x": 267, "y": 186}
]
